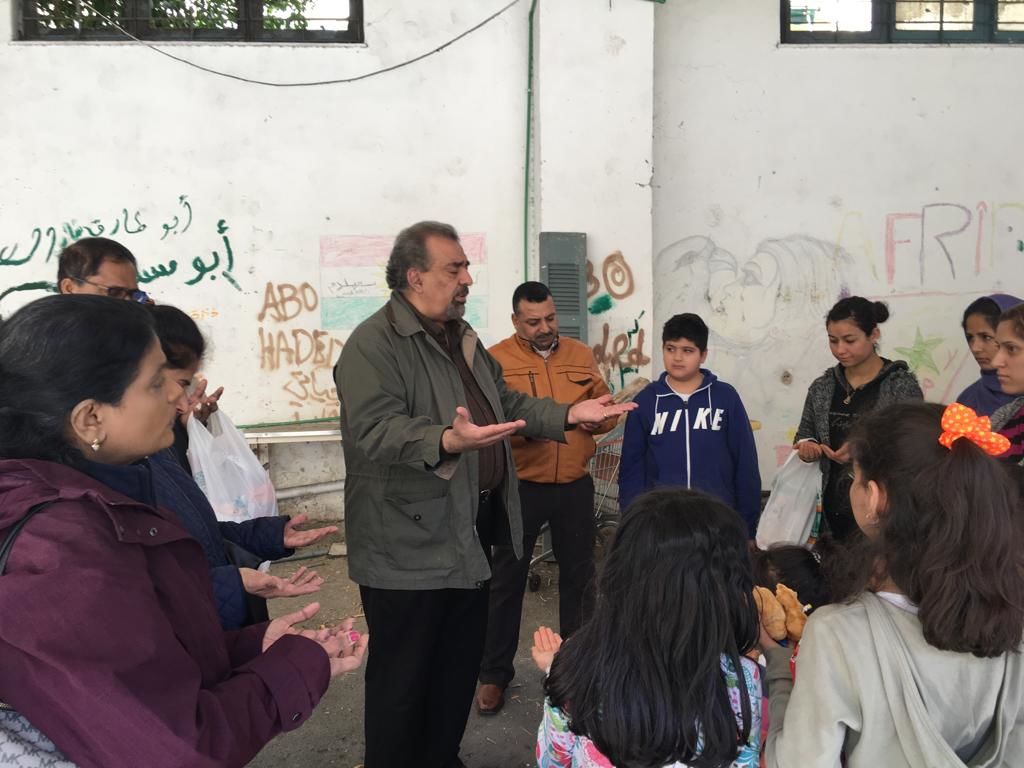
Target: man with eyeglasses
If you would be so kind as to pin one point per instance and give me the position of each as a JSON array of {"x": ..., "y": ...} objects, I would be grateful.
[{"x": 100, "y": 266}]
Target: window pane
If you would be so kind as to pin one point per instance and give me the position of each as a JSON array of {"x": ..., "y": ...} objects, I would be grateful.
[
  {"x": 935, "y": 15},
  {"x": 830, "y": 15},
  {"x": 64, "y": 16},
  {"x": 329, "y": 15},
  {"x": 195, "y": 14},
  {"x": 1011, "y": 16}
]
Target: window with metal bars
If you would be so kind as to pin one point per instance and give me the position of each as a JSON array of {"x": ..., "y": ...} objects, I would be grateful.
[
  {"x": 902, "y": 21},
  {"x": 298, "y": 21}
]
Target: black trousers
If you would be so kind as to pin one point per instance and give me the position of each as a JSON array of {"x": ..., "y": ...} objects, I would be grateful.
[
  {"x": 424, "y": 654},
  {"x": 568, "y": 509}
]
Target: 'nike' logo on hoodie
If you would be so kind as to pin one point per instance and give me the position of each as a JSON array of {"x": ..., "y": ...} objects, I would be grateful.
[{"x": 702, "y": 420}]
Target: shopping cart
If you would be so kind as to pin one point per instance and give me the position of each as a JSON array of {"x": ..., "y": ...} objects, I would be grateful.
[{"x": 604, "y": 469}]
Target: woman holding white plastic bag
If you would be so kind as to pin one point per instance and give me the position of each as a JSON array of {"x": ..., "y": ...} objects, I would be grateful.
[{"x": 232, "y": 549}]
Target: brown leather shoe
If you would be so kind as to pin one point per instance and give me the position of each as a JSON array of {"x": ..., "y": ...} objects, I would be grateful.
[{"x": 490, "y": 698}]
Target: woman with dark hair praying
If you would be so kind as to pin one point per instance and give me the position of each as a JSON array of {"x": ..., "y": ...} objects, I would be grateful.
[{"x": 111, "y": 652}]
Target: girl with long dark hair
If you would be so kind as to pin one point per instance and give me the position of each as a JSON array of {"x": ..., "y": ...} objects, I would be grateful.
[
  {"x": 921, "y": 666},
  {"x": 657, "y": 676}
]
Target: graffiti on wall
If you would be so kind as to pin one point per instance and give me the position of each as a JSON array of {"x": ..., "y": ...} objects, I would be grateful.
[
  {"x": 936, "y": 242},
  {"x": 353, "y": 284},
  {"x": 616, "y": 279},
  {"x": 620, "y": 355},
  {"x": 141, "y": 231},
  {"x": 296, "y": 353},
  {"x": 766, "y": 306},
  {"x": 620, "y": 352}
]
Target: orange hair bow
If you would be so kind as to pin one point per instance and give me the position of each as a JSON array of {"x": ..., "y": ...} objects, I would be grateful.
[{"x": 960, "y": 421}]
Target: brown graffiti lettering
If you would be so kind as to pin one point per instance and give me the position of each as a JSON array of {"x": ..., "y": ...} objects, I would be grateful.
[
  {"x": 285, "y": 301},
  {"x": 593, "y": 284},
  {"x": 304, "y": 388},
  {"x": 325, "y": 412},
  {"x": 297, "y": 347},
  {"x": 618, "y": 277},
  {"x": 623, "y": 354},
  {"x": 206, "y": 313}
]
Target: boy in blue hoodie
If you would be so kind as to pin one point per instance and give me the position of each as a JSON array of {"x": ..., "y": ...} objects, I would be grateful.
[{"x": 690, "y": 429}]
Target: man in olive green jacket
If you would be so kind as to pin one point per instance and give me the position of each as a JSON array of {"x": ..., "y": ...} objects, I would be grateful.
[{"x": 430, "y": 487}]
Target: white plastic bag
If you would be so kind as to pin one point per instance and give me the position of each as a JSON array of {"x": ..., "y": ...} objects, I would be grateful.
[
  {"x": 789, "y": 514},
  {"x": 23, "y": 746},
  {"x": 227, "y": 470}
]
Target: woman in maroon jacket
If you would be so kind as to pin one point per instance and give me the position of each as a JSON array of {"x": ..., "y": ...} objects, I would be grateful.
[{"x": 110, "y": 643}]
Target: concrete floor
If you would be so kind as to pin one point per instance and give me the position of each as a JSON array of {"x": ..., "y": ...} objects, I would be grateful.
[{"x": 333, "y": 737}]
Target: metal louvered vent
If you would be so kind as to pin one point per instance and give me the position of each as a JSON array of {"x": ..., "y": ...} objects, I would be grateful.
[{"x": 563, "y": 261}]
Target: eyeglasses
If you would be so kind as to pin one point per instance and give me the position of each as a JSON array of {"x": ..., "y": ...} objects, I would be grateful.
[{"x": 118, "y": 291}]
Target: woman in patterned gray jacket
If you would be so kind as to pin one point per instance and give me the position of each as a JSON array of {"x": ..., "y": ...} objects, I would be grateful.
[{"x": 861, "y": 382}]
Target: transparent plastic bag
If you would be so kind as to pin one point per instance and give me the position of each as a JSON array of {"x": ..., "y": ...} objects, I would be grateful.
[
  {"x": 227, "y": 471},
  {"x": 789, "y": 515}
]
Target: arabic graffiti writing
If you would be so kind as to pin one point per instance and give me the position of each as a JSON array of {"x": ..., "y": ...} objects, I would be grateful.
[
  {"x": 45, "y": 243},
  {"x": 54, "y": 238},
  {"x": 39, "y": 285},
  {"x": 626, "y": 354},
  {"x": 203, "y": 269},
  {"x": 345, "y": 287},
  {"x": 314, "y": 389}
]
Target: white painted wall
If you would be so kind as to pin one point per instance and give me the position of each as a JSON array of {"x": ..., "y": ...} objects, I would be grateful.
[
  {"x": 595, "y": 69},
  {"x": 92, "y": 129},
  {"x": 185, "y": 167},
  {"x": 114, "y": 136},
  {"x": 823, "y": 167},
  {"x": 786, "y": 174}
]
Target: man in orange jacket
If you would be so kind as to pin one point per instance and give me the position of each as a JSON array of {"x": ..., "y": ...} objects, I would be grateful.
[{"x": 554, "y": 485}]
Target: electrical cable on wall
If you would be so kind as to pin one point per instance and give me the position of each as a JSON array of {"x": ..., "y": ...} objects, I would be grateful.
[{"x": 336, "y": 81}]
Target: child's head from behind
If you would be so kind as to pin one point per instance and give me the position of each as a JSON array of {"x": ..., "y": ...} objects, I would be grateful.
[
  {"x": 944, "y": 525},
  {"x": 799, "y": 568},
  {"x": 674, "y": 595},
  {"x": 684, "y": 346}
]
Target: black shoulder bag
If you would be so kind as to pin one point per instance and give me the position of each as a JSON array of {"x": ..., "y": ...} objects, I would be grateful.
[
  {"x": 8, "y": 545},
  {"x": 5, "y": 548}
]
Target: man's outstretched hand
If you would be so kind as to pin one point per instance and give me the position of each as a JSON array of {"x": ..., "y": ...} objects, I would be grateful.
[
  {"x": 464, "y": 435},
  {"x": 592, "y": 412}
]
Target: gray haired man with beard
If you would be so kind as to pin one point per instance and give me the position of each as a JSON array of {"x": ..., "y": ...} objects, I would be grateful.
[{"x": 430, "y": 488}]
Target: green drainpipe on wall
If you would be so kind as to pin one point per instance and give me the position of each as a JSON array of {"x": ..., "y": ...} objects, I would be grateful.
[{"x": 529, "y": 146}]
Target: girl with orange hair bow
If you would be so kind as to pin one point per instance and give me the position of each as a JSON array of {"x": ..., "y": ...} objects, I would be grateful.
[{"x": 919, "y": 662}]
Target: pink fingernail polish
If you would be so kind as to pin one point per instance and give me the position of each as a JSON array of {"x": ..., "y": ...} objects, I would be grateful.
[{"x": 353, "y": 636}]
